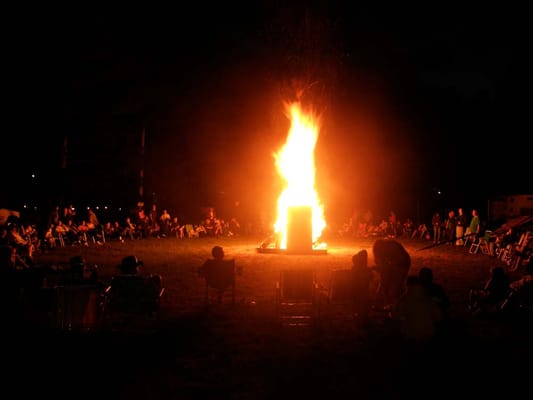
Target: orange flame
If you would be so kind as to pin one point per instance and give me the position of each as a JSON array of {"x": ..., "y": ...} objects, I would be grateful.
[{"x": 296, "y": 164}]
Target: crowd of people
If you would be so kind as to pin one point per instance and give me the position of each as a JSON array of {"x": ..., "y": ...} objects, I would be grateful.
[
  {"x": 453, "y": 227},
  {"x": 418, "y": 307},
  {"x": 415, "y": 302}
]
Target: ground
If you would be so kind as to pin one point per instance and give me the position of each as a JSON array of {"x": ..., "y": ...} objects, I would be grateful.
[{"x": 241, "y": 351}]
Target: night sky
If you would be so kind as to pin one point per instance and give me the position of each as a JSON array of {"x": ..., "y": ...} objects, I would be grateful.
[{"x": 414, "y": 102}]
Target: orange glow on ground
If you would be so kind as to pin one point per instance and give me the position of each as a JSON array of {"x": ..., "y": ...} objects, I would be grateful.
[{"x": 295, "y": 163}]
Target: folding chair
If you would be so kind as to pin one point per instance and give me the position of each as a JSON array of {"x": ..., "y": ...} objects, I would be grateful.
[
  {"x": 340, "y": 289},
  {"x": 132, "y": 299},
  {"x": 219, "y": 277},
  {"x": 76, "y": 308},
  {"x": 481, "y": 243},
  {"x": 337, "y": 299},
  {"x": 296, "y": 297},
  {"x": 58, "y": 239},
  {"x": 519, "y": 251},
  {"x": 190, "y": 231}
]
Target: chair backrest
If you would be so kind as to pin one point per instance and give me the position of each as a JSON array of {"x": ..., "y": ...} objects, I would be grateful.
[
  {"x": 133, "y": 293},
  {"x": 296, "y": 297},
  {"x": 341, "y": 286},
  {"x": 297, "y": 285},
  {"x": 220, "y": 275},
  {"x": 76, "y": 307},
  {"x": 190, "y": 231}
]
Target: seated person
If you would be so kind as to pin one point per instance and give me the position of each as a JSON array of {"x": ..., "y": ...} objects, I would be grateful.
[
  {"x": 18, "y": 280},
  {"x": 392, "y": 264},
  {"x": 216, "y": 272},
  {"x": 521, "y": 295},
  {"x": 435, "y": 290},
  {"x": 417, "y": 315},
  {"x": 78, "y": 273},
  {"x": 9, "y": 280},
  {"x": 494, "y": 292},
  {"x": 421, "y": 231},
  {"x": 130, "y": 267}
]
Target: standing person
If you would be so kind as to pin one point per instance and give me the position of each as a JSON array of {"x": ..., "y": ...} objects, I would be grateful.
[
  {"x": 153, "y": 219},
  {"x": 393, "y": 225},
  {"x": 92, "y": 218},
  {"x": 450, "y": 225},
  {"x": 165, "y": 220},
  {"x": 436, "y": 222},
  {"x": 475, "y": 224},
  {"x": 460, "y": 227},
  {"x": 53, "y": 217}
]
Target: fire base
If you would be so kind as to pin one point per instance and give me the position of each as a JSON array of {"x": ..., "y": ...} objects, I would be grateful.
[
  {"x": 274, "y": 250},
  {"x": 299, "y": 234}
]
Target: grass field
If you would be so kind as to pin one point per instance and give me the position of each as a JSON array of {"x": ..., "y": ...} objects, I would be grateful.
[{"x": 242, "y": 351}]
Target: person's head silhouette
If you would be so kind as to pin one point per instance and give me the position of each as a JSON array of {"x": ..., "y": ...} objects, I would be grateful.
[
  {"x": 360, "y": 259},
  {"x": 217, "y": 252},
  {"x": 130, "y": 265}
]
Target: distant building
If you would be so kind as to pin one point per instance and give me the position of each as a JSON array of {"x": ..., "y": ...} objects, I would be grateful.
[{"x": 505, "y": 207}]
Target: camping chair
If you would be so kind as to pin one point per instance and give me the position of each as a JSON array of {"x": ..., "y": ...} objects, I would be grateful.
[
  {"x": 133, "y": 298},
  {"x": 76, "y": 308},
  {"x": 342, "y": 300},
  {"x": 338, "y": 295},
  {"x": 219, "y": 278},
  {"x": 190, "y": 231},
  {"x": 481, "y": 243},
  {"x": 296, "y": 297},
  {"x": 340, "y": 288},
  {"x": 521, "y": 251},
  {"x": 59, "y": 240}
]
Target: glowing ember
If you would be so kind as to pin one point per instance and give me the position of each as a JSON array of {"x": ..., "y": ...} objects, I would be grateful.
[{"x": 296, "y": 164}]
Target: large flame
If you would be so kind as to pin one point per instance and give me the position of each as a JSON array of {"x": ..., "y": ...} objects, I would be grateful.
[{"x": 296, "y": 164}]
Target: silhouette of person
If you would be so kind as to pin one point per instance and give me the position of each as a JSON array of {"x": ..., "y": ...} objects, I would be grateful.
[
  {"x": 362, "y": 278},
  {"x": 130, "y": 265},
  {"x": 416, "y": 312},
  {"x": 435, "y": 290},
  {"x": 494, "y": 292},
  {"x": 392, "y": 264},
  {"x": 216, "y": 273}
]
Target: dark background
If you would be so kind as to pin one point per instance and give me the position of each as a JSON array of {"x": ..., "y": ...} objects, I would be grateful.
[{"x": 422, "y": 108}]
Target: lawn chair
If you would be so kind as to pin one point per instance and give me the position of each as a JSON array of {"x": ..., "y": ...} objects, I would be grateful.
[
  {"x": 219, "y": 277},
  {"x": 190, "y": 231},
  {"x": 481, "y": 243},
  {"x": 132, "y": 299},
  {"x": 340, "y": 289},
  {"x": 521, "y": 251},
  {"x": 76, "y": 308},
  {"x": 344, "y": 298},
  {"x": 297, "y": 297}
]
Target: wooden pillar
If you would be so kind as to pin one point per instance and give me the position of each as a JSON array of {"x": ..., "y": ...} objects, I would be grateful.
[{"x": 300, "y": 230}]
